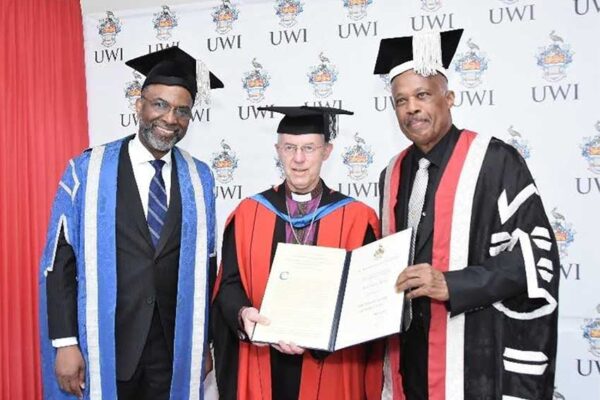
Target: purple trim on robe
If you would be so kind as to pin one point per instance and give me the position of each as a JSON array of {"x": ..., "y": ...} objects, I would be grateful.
[{"x": 298, "y": 209}]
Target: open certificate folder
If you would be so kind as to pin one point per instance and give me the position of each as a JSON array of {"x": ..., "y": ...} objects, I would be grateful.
[{"x": 328, "y": 299}]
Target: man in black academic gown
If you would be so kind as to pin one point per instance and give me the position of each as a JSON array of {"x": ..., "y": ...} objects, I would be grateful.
[{"x": 482, "y": 294}]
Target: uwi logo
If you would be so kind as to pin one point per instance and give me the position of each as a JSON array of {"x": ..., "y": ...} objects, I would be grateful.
[
  {"x": 322, "y": 77},
  {"x": 108, "y": 28},
  {"x": 555, "y": 58},
  {"x": 471, "y": 65},
  {"x": 133, "y": 90},
  {"x": 164, "y": 21},
  {"x": 358, "y": 158},
  {"x": 431, "y": 5},
  {"x": 357, "y": 9},
  {"x": 590, "y": 150},
  {"x": 224, "y": 16},
  {"x": 255, "y": 82},
  {"x": 224, "y": 163},
  {"x": 518, "y": 142},
  {"x": 563, "y": 232},
  {"x": 288, "y": 11},
  {"x": 591, "y": 332}
]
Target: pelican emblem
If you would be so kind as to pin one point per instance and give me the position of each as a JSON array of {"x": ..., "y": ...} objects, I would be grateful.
[{"x": 379, "y": 252}]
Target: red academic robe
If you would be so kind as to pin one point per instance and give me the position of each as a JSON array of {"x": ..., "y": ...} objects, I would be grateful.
[{"x": 352, "y": 373}]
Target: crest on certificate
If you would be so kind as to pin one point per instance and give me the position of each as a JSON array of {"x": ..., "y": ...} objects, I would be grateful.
[{"x": 379, "y": 252}]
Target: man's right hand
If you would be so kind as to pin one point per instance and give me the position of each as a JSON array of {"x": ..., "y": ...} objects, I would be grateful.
[
  {"x": 251, "y": 317},
  {"x": 69, "y": 368}
]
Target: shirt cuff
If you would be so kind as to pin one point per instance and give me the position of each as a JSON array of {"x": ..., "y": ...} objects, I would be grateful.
[{"x": 64, "y": 342}]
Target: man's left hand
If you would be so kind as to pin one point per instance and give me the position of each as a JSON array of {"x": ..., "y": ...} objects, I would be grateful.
[{"x": 423, "y": 280}]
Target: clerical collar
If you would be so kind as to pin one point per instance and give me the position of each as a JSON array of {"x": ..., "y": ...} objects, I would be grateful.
[
  {"x": 436, "y": 154},
  {"x": 301, "y": 198},
  {"x": 304, "y": 197}
]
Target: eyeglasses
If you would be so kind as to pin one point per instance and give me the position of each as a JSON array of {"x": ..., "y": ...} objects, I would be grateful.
[
  {"x": 162, "y": 107},
  {"x": 291, "y": 149}
]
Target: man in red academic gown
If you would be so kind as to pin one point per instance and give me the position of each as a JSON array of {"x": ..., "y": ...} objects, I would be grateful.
[{"x": 301, "y": 210}]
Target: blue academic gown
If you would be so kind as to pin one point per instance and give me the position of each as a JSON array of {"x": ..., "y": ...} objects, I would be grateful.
[{"x": 84, "y": 209}]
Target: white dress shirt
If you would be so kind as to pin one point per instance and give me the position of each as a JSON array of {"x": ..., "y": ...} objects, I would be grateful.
[{"x": 143, "y": 172}]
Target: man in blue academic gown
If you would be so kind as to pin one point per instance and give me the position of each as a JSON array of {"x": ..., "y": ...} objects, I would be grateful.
[{"x": 126, "y": 269}]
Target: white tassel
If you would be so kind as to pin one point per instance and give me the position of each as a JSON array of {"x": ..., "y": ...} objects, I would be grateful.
[
  {"x": 333, "y": 126},
  {"x": 427, "y": 53},
  {"x": 203, "y": 82}
]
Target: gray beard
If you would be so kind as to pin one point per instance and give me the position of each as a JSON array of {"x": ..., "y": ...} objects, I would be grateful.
[{"x": 157, "y": 143}]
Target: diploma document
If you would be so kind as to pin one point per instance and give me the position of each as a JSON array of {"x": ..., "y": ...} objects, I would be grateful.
[{"x": 327, "y": 299}]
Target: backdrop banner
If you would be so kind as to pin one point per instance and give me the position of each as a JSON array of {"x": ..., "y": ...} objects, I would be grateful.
[{"x": 526, "y": 72}]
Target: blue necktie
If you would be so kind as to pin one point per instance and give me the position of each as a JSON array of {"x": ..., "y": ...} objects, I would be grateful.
[{"x": 157, "y": 202}]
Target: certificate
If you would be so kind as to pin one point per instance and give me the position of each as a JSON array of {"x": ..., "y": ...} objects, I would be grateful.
[{"x": 327, "y": 298}]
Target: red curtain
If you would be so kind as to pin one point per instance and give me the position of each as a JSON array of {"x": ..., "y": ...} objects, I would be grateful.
[{"x": 43, "y": 123}]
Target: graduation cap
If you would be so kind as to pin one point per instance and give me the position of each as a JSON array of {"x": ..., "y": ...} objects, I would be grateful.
[
  {"x": 174, "y": 67},
  {"x": 305, "y": 119},
  {"x": 427, "y": 53}
]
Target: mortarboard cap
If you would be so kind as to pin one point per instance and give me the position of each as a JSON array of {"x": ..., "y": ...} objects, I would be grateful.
[
  {"x": 427, "y": 53},
  {"x": 304, "y": 119},
  {"x": 175, "y": 67}
]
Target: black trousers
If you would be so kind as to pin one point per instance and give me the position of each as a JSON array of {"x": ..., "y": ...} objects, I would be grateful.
[
  {"x": 152, "y": 377},
  {"x": 414, "y": 354}
]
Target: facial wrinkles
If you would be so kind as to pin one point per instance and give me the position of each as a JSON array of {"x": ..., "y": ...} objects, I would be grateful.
[
  {"x": 302, "y": 170},
  {"x": 418, "y": 112},
  {"x": 412, "y": 119}
]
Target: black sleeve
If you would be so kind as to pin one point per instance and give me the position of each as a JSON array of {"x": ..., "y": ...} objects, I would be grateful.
[
  {"x": 226, "y": 331},
  {"x": 231, "y": 296},
  {"x": 503, "y": 276},
  {"x": 381, "y": 191},
  {"x": 369, "y": 235},
  {"x": 212, "y": 277},
  {"x": 61, "y": 292},
  {"x": 500, "y": 277},
  {"x": 212, "y": 273}
]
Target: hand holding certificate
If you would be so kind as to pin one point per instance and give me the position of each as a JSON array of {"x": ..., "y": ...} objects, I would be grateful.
[{"x": 327, "y": 298}]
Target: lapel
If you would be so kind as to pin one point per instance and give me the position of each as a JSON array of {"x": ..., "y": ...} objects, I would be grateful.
[
  {"x": 403, "y": 195},
  {"x": 276, "y": 196},
  {"x": 173, "y": 212},
  {"x": 425, "y": 229},
  {"x": 425, "y": 226},
  {"x": 128, "y": 186}
]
